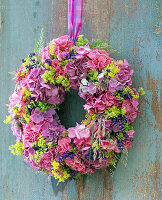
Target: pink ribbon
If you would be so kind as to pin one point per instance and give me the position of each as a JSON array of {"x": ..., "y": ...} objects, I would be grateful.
[{"x": 75, "y": 8}]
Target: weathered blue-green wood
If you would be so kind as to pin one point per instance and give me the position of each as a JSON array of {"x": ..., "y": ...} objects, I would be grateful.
[{"x": 132, "y": 28}]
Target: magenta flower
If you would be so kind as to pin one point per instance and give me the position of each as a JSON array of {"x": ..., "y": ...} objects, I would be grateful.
[
  {"x": 26, "y": 153},
  {"x": 125, "y": 74},
  {"x": 131, "y": 109},
  {"x": 78, "y": 166},
  {"x": 16, "y": 128},
  {"x": 110, "y": 146},
  {"x": 98, "y": 59},
  {"x": 114, "y": 85},
  {"x": 86, "y": 91},
  {"x": 46, "y": 160},
  {"x": 53, "y": 94},
  {"x": 62, "y": 46},
  {"x": 29, "y": 136},
  {"x": 82, "y": 51},
  {"x": 36, "y": 116},
  {"x": 76, "y": 71},
  {"x": 45, "y": 54},
  {"x": 64, "y": 145},
  {"x": 79, "y": 132}
]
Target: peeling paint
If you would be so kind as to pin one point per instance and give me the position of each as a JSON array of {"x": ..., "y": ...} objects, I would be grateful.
[
  {"x": 134, "y": 8},
  {"x": 96, "y": 12},
  {"x": 157, "y": 30},
  {"x": 108, "y": 186},
  {"x": 59, "y": 10},
  {"x": 156, "y": 106},
  {"x": 1, "y": 22},
  {"x": 147, "y": 181},
  {"x": 80, "y": 188}
]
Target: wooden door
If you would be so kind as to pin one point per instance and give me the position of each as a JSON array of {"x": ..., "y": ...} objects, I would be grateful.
[{"x": 132, "y": 29}]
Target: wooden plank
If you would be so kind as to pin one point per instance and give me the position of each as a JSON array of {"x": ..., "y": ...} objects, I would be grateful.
[{"x": 132, "y": 28}]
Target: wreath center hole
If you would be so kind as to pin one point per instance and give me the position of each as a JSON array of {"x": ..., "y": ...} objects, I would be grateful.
[{"x": 71, "y": 110}]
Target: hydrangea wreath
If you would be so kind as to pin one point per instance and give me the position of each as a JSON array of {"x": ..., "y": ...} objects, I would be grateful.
[{"x": 42, "y": 82}]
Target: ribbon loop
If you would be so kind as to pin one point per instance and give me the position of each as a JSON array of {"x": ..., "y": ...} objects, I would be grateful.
[{"x": 75, "y": 8}]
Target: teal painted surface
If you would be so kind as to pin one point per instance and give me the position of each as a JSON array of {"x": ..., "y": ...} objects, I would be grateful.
[{"x": 132, "y": 28}]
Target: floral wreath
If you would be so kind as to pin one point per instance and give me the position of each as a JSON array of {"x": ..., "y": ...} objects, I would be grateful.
[{"x": 42, "y": 82}]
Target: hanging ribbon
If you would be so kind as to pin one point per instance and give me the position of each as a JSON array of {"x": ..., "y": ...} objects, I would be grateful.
[{"x": 75, "y": 8}]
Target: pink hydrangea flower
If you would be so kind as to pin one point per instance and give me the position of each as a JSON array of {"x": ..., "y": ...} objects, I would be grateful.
[
  {"x": 37, "y": 116},
  {"x": 16, "y": 128},
  {"x": 108, "y": 146},
  {"x": 29, "y": 136},
  {"x": 64, "y": 145},
  {"x": 88, "y": 90},
  {"x": 59, "y": 70},
  {"x": 16, "y": 100},
  {"x": 76, "y": 71},
  {"x": 54, "y": 94},
  {"x": 82, "y": 51},
  {"x": 81, "y": 136},
  {"x": 128, "y": 143},
  {"x": 98, "y": 105},
  {"x": 80, "y": 131},
  {"x": 78, "y": 166},
  {"x": 114, "y": 85},
  {"x": 26, "y": 153},
  {"x": 45, "y": 162},
  {"x": 45, "y": 54},
  {"x": 99, "y": 59},
  {"x": 125, "y": 74},
  {"x": 62, "y": 46},
  {"x": 131, "y": 109}
]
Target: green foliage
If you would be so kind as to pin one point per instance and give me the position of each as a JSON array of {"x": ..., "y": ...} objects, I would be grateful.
[
  {"x": 113, "y": 162},
  {"x": 107, "y": 154},
  {"x": 37, "y": 156},
  {"x": 40, "y": 146},
  {"x": 91, "y": 117},
  {"x": 60, "y": 172},
  {"x": 120, "y": 136},
  {"x": 49, "y": 145},
  {"x": 96, "y": 145},
  {"x": 22, "y": 120},
  {"x": 63, "y": 63},
  {"x": 26, "y": 93},
  {"x": 48, "y": 77},
  {"x": 8, "y": 119},
  {"x": 127, "y": 127},
  {"x": 141, "y": 91},
  {"x": 41, "y": 105},
  {"x": 41, "y": 143},
  {"x": 17, "y": 149},
  {"x": 92, "y": 75},
  {"x": 64, "y": 82},
  {"x": 130, "y": 91},
  {"x": 114, "y": 112},
  {"x": 118, "y": 96},
  {"x": 52, "y": 53},
  {"x": 65, "y": 134},
  {"x": 81, "y": 41},
  {"x": 99, "y": 44},
  {"x": 111, "y": 70},
  {"x": 40, "y": 44}
]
